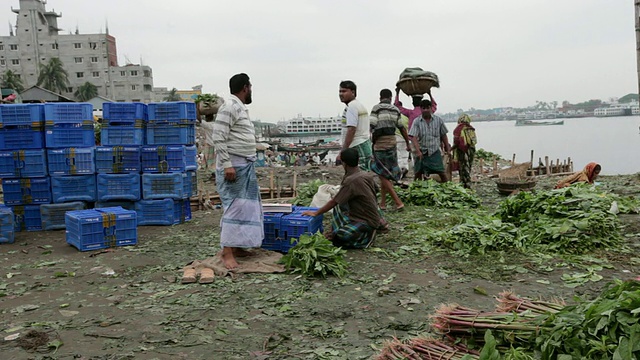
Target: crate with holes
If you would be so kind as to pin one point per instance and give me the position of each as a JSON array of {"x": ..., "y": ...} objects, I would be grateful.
[
  {"x": 71, "y": 161},
  {"x": 162, "y": 186},
  {"x": 23, "y": 163},
  {"x": 21, "y": 126},
  {"x": 52, "y": 215},
  {"x": 7, "y": 230},
  {"x": 101, "y": 228},
  {"x": 67, "y": 188},
  {"x": 117, "y": 159},
  {"x": 68, "y": 125},
  {"x": 118, "y": 187},
  {"x": 27, "y": 191}
]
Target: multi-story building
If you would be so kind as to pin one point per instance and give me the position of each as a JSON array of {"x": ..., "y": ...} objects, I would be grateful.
[{"x": 86, "y": 57}]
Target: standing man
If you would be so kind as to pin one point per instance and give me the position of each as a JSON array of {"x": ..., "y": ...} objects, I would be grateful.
[
  {"x": 412, "y": 114},
  {"x": 234, "y": 139},
  {"x": 385, "y": 119},
  {"x": 356, "y": 217},
  {"x": 355, "y": 125},
  {"x": 428, "y": 134}
]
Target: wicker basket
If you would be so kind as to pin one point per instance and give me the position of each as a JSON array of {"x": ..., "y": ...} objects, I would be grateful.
[
  {"x": 508, "y": 186},
  {"x": 417, "y": 86}
]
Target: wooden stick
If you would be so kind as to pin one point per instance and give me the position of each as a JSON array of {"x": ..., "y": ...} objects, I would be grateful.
[
  {"x": 495, "y": 166},
  {"x": 546, "y": 165},
  {"x": 481, "y": 166},
  {"x": 539, "y": 166},
  {"x": 513, "y": 160},
  {"x": 271, "y": 182},
  {"x": 295, "y": 184},
  {"x": 531, "y": 167},
  {"x": 557, "y": 165}
]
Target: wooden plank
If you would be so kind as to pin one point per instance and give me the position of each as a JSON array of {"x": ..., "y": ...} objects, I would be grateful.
[
  {"x": 546, "y": 165},
  {"x": 513, "y": 160},
  {"x": 531, "y": 159},
  {"x": 271, "y": 183}
]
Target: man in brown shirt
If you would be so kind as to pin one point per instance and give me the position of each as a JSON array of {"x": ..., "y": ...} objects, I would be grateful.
[{"x": 355, "y": 210}]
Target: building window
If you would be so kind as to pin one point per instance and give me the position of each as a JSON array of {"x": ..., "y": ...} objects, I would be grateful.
[
  {"x": 79, "y": 74},
  {"x": 78, "y": 60},
  {"x": 95, "y": 74},
  {"x": 2, "y": 62},
  {"x": 13, "y": 47},
  {"x": 94, "y": 59},
  {"x": 123, "y": 73},
  {"x": 1, "y": 47},
  {"x": 18, "y": 76},
  {"x": 147, "y": 73},
  {"x": 54, "y": 46},
  {"x": 77, "y": 45},
  {"x": 134, "y": 73},
  {"x": 147, "y": 88},
  {"x": 93, "y": 45},
  {"x": 133, "y": 87},
  {"x": 69, "y": 89},
  {"x": 15, "y": 62}
]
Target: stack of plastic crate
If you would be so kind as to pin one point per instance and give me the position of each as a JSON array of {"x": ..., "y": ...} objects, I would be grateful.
[
  {"x": 118, "y": 159},
  {"x": 281, "y": 231},
  {"x": 23, "y": 163},
  {"x": 70, "y": 143},
  {"x": 168, "y": 164}
]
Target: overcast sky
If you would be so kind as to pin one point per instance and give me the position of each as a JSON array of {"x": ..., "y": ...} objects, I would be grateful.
[{"x": 488, "y": 53}]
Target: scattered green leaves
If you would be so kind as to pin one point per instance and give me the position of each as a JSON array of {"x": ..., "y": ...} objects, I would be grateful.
[{"x": 431, "y": 193}]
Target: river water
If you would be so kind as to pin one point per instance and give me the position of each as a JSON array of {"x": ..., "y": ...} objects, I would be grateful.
[{"x": 613, "y": 142}]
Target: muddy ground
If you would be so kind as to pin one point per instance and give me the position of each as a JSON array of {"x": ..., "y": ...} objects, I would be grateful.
[{"x": 127, "y": 303}]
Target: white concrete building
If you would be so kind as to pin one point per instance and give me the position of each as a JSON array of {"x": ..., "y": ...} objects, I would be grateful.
[{"x": 86, "y": 57}]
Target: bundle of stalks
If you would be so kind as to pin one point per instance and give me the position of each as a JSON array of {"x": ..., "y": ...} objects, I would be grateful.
[
  {"x": 425, "y": 348},
  {"x": 510, "y": 302},
  {"x": 455, "y": 322}
]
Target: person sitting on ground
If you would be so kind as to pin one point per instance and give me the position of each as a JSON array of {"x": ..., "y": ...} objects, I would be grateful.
[
  {"x": 356, "y": 217},
  {"x": 587, "y": 175}
]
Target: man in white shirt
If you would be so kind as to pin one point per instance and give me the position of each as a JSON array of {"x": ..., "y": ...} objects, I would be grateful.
[{"x": 355, "y": 125}]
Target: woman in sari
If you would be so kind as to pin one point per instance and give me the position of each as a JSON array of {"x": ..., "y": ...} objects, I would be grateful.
[
  {"x": 464, "y": 148},
  {"x": 587, "y": 175}
]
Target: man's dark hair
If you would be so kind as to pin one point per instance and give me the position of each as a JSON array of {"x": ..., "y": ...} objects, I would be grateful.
[
  {"x": 425, "y": 104},
  {"x": 416, "y": 100},
  {"x": 385, "y": 94},
  {"x": 238, "y": 82},
  {"x": 348, "y": 84},
  {"x": 350, "y": 157}
]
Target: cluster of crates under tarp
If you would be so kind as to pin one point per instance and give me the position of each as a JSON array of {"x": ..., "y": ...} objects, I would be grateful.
[{"x": 50, "y": 167}]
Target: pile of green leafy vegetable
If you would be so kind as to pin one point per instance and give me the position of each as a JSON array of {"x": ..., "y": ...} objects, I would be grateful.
[
  {"x": 576, "y": 219},
  {"x": 314, "y": 255},
  {"x": 486, "y": 155},
  {"x": 206, "y": 98},
  {"x": 446, "y": 195},
  {"x": 306, "y": 192}
]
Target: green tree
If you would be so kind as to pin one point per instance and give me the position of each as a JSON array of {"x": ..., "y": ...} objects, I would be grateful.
[
  {"x": 173, "y": 95},
  {"x": 53, "y": 76},
  {"x": 12, "y": 80},
  {"x": 86, "y": 92}
]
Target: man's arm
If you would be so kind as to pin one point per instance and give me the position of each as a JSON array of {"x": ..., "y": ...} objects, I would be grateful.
[
  {"x": 404, "y": 111},
  {"x": 352, "y": 123},
  {"x": 221, "y": 128},
  {"x": 328, "y": 206},
  {"x": 348, "y": 139},
  {"x": 434, "y": 105},
  {"x": 405, "y": 136}
]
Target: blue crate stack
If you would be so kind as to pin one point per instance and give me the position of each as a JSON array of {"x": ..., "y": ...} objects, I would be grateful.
[
  {"x": 282, "y": 230},
  {"x": 168, "y": 164},
  {"x": 23, "y": 165}
]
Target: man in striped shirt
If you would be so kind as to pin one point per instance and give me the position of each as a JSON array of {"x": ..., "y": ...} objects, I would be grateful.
[
  {"x": 428, "y": 134},
  {"x": 234, "y": 139}
]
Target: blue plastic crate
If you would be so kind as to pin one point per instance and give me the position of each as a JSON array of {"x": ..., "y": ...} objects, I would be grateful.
[
  {"x": 7, "y": 231},
  {"x": 189, "y": 184},
  {"x": 66, "y": 188},
  {"x": 71, "y": 161},
  {"x": 27, "y": 218},
  {"x": 118, "y": 187},
  {"x": 171, "y": 134},
  {"x": 21, "y": 137},
  {"x": 123, "y": 113},
  {"x": 27, "y": 191},
  {"x": 272, "y": 240},
  {"x": 65, "y": 135},
  {"x": 163, "y": 158},
  {"x": 111, "y": 135},
  {"x": 23, "y": 163},
  {"x": 101, "y": 228},
  {"x": 68, "y": 112},
  {"x": 190, "y": 158},
  {"x": 129, "y": 205},
  {"x": 52, "y": 215},
  {"x": 172, "y": 111},
  {"x": 162, "y": 186},
  {"x": 118, "y": 159},
  {"x": 295, "y": 224},
  {"x": 21, "y": 114},
  {"x": 181, "y": 211},
  {"x": 155, "y": 212}
]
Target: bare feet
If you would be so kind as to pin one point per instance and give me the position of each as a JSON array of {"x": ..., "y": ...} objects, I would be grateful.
[{"x": 228, "y": 259}]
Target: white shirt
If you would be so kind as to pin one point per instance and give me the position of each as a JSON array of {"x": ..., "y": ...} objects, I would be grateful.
[{"x": 355, "y": 115}]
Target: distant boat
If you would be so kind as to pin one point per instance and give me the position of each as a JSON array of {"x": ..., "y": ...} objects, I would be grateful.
[{"x": 520, "y": 122}]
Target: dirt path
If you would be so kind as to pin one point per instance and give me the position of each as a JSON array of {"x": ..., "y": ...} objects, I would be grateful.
[{"x": 127, "y": 303}]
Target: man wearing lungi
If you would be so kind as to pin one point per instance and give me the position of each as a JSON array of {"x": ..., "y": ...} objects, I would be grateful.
[{"x": 428, "y": 134}]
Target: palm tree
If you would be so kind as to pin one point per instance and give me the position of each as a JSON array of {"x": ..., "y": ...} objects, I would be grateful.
[
  {"x": 53, "y": 76},
  {"x": 86, "y": 92},
  {"x": 12, "y": 80},
  {"x": 173, "y": 95}
]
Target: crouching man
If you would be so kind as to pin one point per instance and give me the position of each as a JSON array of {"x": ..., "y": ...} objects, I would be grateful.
[{"x": 356, "y": 217}]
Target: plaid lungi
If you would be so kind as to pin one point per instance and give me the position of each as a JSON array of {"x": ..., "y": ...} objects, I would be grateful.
[
  {"x": 349, "y": 234},
  {"x": 385, "y": 164}
]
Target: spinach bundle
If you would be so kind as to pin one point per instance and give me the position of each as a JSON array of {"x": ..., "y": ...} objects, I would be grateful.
[
  {"x": 446, "y": 195},
  {"x": 306, "y": 192},
  {"x": 314, "y": 255}
]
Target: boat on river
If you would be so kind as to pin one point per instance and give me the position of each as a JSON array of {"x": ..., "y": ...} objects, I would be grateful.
[{"x": 521, "y": 122}]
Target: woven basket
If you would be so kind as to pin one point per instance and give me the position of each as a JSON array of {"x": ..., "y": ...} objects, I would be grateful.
[
  {"x": 417, "y": 86},
  {"x": 509, "y": 185}
]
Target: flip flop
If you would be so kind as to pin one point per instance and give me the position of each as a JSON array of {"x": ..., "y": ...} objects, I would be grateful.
[
  {"x": 206, "y": 276},
  {"x": 189, "y": 276}
]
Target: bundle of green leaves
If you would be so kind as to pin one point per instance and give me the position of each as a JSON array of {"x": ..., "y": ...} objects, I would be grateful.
[
  {"x": 575, "y": 219},
  {"x": 306, "y": 192},
  {"x": 605, "y": 328},
  {"x": 486, "y": 155},
  {"x": 478, "y": 234},
  {"x": 431, "y": 193},
  {"x": 314, "y": 255}
]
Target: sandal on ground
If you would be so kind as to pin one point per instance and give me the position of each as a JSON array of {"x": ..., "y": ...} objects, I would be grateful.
[
  {"x": 400, "y": 209},
  {"x": 189, "y": 276},
  {"x": 206, "y": 276}
]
